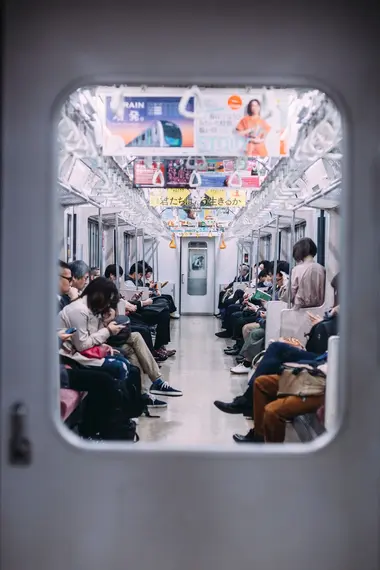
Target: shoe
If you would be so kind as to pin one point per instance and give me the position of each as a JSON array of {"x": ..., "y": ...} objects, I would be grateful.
[
  {"x": 232, "y": 351},
  {"x": 240, "y": 405},
  {"x": 152, "y": 402},
  {"x": 240, "y": 369},
  {"x": 175, "y": 315},
  {"x": 251, "y": 437},
  {"x": 161, "y": 388},
  {"x": 223, "y": 334},
  {"x": 168, "y": 352},
  {"x": 217, "y": 315},
  {"x": 159, "y": 357}
]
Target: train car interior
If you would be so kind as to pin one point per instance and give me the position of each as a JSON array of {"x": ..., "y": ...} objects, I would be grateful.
[
  {"x": 189, "y": 286},
  {"x": 202, "y": 197}
]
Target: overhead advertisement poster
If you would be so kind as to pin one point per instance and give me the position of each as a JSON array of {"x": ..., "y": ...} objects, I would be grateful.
[
  {"x": 148, "y": 125},
  {"x": 218, "y": 123},
  {"x": 211, "y": 198}
]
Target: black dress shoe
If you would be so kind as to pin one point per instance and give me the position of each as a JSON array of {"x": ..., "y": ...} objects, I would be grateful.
[
  {"x": 251, "y": 437},
  {"x": 232, "y": 351},
  {"x": 238, "y": 406},
  {"x": 223, "y": 334}
]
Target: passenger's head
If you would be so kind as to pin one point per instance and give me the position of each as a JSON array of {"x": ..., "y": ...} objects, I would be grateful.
[
  {"x": 111, "y": 272},
  {"x": 94, "y": 273},
  {"x": 262, "y": 276},
  {"x": 304, "y": 248},
  {"x": 334, "y": 285},
  {"x": 148, "y": 270},
  {"x": 254, "y": 107},
  {"x": 282, "y": 266},
  {"x": 101, "y": 295},
  {"x": 80, "y": 272},
  {"x": 244, "y": 270},
  {"x": 65, "y": 278},
  {"x": 136, "y": 269},
  {"x": 264, "y": 265}
]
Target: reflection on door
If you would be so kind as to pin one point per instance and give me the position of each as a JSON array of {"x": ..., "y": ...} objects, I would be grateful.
[{"x": 197, "y": 269}]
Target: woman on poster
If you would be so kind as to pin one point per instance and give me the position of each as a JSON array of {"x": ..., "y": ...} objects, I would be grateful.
[{"x": 255, "y": 129}]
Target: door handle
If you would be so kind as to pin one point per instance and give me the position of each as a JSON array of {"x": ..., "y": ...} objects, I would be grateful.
[{"x": 183, "y": 279}]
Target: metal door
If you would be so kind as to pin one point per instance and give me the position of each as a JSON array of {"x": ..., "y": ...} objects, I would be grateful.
[
  {"x": 197, "y": 275},
  {"x": 75, "y": 507}
]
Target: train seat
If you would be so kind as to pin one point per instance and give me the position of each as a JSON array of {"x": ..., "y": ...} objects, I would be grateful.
[{"x": 70, "y": 400}]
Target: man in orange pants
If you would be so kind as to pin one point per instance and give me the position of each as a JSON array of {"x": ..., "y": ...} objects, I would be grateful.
[{"x": 271, "y": 413}]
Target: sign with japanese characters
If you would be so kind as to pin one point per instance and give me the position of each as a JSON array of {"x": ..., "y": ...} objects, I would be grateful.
[{"x": 211, "y": 198}]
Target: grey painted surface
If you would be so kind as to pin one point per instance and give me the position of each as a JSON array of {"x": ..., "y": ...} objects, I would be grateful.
[{"x": 206, "y": 508}]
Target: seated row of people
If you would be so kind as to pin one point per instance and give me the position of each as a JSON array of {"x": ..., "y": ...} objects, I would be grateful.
[
  {"x": 89, "y": 330},
  {"x": 245, "y": 320}
]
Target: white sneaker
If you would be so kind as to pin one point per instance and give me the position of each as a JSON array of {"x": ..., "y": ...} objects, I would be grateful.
[
  {"x": 175, "y": 315},
  {"x": 240, "y": 369}
]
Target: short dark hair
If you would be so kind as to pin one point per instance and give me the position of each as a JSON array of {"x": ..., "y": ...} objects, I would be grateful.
[
  {"x": 79, "y": 269},
  {"x": 249, "y": 112},
  {"x": 148, "y": 268},
  {"x": 262, "y": 274},
  {"x": 111, "y": 270},
  {"x": 266, "y": 264},
  {"x": 63, "y": 264},
  {"x": 283, "y": 266},
  {"x": 304, "y": 248},
  {"x": 139, "y": 269},
  {"x": 102, "y": 294}
]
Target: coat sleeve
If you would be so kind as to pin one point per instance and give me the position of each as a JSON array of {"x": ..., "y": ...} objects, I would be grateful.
[{"x": 82, "y": 339}]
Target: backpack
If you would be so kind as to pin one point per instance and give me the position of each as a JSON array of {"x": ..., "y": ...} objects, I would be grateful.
[
  {"x": 133, "y": 404},
  {"x": 319, "y": 335}
]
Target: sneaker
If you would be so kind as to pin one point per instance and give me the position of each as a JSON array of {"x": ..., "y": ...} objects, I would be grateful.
[
  {"x": 240, "y": 369},
  {"x": 175, "y": 315},
  {"x": 161, "y": 388},
  {"x": 152, "y": 402}
]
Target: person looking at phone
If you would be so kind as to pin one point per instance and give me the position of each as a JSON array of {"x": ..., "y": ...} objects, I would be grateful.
[
  {"x": 80, "y": 272},
  {"x": 64, "y": 285}
]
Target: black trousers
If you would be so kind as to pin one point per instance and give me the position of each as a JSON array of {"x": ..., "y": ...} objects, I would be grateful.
[
  {"x": 140, "y": 327},
  {"x": 103, "y": 402},
  {"x": 239, "y": 320},
  {"x": 161, "y": 319},
  {"x": 227, "y": 322},
  {"x": 171, "y": 304}
]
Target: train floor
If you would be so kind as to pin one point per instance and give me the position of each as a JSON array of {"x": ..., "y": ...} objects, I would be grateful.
[{"x": 202, "y": 371}]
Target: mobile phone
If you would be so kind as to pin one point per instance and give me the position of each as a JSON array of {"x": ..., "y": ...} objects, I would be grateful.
[{"x": 71, "y": 331}]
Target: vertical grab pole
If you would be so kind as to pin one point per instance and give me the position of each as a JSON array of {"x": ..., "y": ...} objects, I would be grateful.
[
  {"x": 276, "y": 238},
  {"x": 257, "y": 258},
  {"x": 136, "y": 259},
  {"x": 242, "y": 259},
  {"x": 117, "y": 250},
  {"x": 153, "y": 260},
  {"x": 143, "y": 255},
  {"x": 237, "y": 261},
  {"x": 100, "y": 242},
  {"x": 291, "y": 262},
  {"x": 251, "y": 256},
  {"x": 157, "y": 262}
]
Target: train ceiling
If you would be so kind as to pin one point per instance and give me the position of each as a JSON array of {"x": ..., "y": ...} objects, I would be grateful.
[{"x": 206, "y": 160}]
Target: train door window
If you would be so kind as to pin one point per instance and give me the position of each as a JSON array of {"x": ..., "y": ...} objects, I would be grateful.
[
  {"x": 68, "y": 238},
  {"x": 300, "y": 231},
  {"x": 197, "y": 268},
  {"x": 93, "y": 243},
  {"x": 266, "y": 246}
]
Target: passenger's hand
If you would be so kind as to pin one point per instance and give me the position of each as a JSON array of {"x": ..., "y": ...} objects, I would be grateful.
[
  {"x": 109, "y": 317},
  {"x": 147, "y": 302},
  {"x": 334, "y": 311},
  {"x": 73, "y": 293},
  {"x": 314, "y": 318},
  {"x": 130, "y": 307},
  {"x": 114, "y": 328},
  {"x": 64, "y": 336}
]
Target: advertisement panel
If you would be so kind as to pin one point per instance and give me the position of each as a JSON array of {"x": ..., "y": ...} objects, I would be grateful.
[
  {"x": 150, "y": 125},
  {"x": 142, "y": 175},
  {"x": 218, "y": 122},
  {"x": 211, "y": 198}
]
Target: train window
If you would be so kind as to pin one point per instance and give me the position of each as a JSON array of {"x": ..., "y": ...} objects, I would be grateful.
[{"x": 256, "y": 170}]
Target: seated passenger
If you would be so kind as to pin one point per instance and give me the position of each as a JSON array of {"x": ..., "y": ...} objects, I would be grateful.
[
  {"x": 272, "y": 412},
  {"x": 242, "y": 277},
  {"x": 65, "y": 281},
  {"x": 276, "y": 354},
  {"x": 308, "y": 277},
  {"x": 80, "y": 272},
  {"x": 148, "y": 283},
  {"x": 94, "y": 273}
]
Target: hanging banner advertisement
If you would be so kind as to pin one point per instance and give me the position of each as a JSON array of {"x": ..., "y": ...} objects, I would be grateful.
[
  {"x": 177, "y": 174},
  {"x": 161, "y": 122},
  {"x": 243, "y": 124},
  {"x": 212, "y": 198},
  {"x": 148, "y": 125},
  {"x": 143, "y": 176}
]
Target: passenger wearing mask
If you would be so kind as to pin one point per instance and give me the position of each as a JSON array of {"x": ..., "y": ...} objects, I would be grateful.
[
  {"x": 276, "y": 354},
  {"x": 308, "y": 277}
]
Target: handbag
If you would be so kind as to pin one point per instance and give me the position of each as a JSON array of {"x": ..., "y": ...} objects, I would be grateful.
[
  {"x": 97, "y": 352},
  {"x": 123, "y": 336},
  {"x": 302, "y": 380}
]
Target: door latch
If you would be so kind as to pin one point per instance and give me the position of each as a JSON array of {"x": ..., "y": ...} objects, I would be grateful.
[{"x": 20, "y": 449}]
